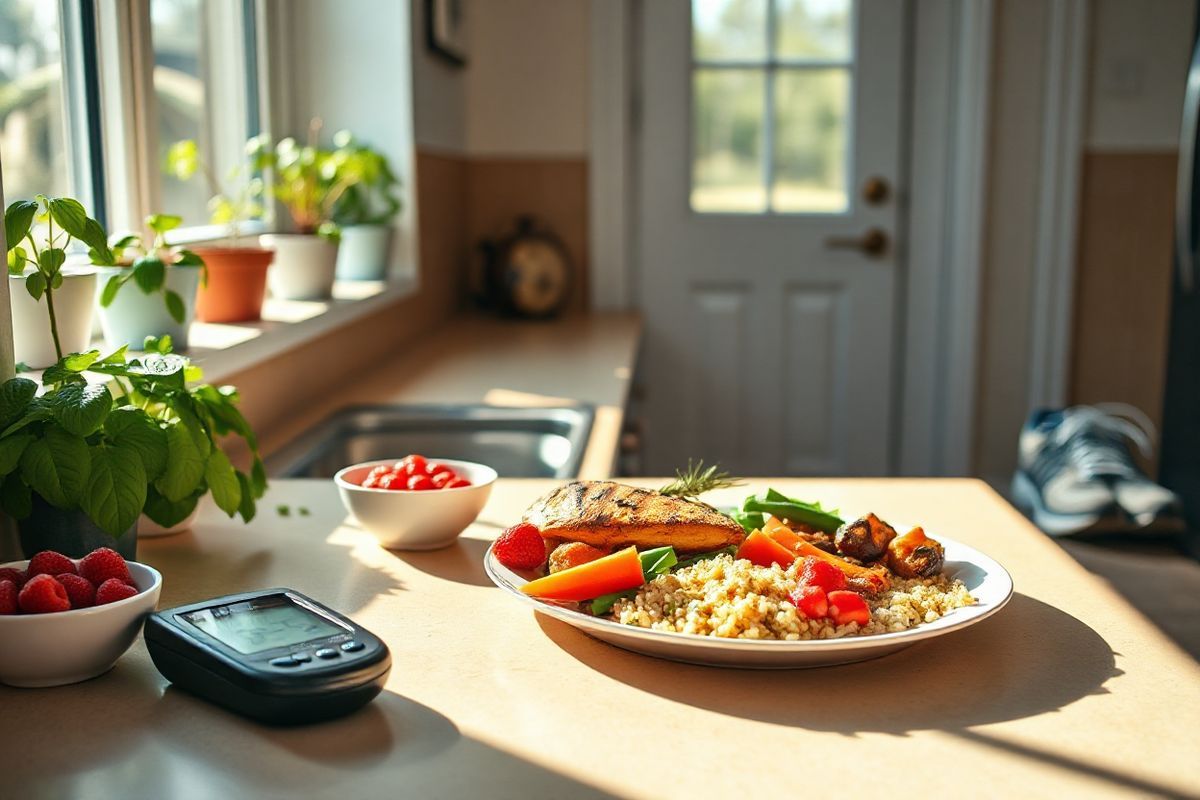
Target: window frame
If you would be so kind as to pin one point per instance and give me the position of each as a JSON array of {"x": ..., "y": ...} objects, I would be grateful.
[{"x": 770, "y": 66}]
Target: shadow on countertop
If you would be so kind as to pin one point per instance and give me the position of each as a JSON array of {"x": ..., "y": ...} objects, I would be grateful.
[
  {"x": 461, "y": 562},
  {"x": 1029, "y": 659}
]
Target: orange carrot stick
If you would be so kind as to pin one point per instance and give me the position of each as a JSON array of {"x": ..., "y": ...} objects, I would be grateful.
[
  {"x": 614, "y": 573},
  {"x": 764, "y": 551}
]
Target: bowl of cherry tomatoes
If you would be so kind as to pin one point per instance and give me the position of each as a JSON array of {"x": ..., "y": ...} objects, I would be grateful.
[{"x": 415, "y": 503}]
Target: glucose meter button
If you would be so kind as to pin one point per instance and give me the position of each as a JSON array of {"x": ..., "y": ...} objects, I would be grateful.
[
  {"x": 352, "y": 646},
  {"x": 327, "y": 652},
  {"x": 284, "y": 661},
  {"x": 303, "y": 658}
]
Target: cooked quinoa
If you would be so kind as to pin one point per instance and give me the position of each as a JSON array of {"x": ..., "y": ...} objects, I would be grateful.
[{"x": 738, "y": 600}]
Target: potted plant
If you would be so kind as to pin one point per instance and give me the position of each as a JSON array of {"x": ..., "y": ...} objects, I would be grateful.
[
  {"x": 44, "y": 331},
  {"x": 307, "y": 182},
  {"x": 79, "y": 467},
  {"x": 365, "y": 210},
  {"x": 165, "y": 279},
  {"x": 236, "y": 281}
]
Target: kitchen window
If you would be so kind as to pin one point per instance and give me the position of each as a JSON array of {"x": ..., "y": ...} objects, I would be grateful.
[{"x": 771, "y": 105}]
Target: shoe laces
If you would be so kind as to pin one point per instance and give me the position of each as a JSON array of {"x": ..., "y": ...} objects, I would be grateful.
[{"x": 1094, "y": 438}]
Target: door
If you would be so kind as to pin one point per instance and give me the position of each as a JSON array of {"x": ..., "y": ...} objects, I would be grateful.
[{"x": 767, "y": 153}]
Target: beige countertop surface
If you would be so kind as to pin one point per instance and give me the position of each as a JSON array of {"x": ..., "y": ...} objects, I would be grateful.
[
  {"x": 586, "y": 358},
  {"x": 1067, "y": 692}
]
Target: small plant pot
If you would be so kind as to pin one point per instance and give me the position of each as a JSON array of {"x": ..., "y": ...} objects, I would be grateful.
[
  {"x": 134, "y": 315},
  {"x": 71, "y": 533},
  {"x": 363, "y": 252},
  {"x": 74, "y": 308},
  {"x": 237, "y": 283},
  {"x": 304, "y": 267},
  {"x": 148, "y": 528}
]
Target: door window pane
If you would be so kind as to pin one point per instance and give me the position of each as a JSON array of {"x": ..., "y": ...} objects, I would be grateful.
[
  {"x": 729, "y": 30},
  {"x": 813, "y": 29},
  {"x": 33, "y": 145},
  {"x": 771, "y": 127},
  {"x": 810, "y": 140},
  {"x": 727, "y": 127}
]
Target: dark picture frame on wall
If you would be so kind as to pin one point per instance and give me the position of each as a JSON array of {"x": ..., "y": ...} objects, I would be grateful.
[{"x": 445, "y": 30}]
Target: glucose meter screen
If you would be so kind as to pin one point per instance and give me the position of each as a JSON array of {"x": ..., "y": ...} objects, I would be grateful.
[{"x": 253, "y": 629}]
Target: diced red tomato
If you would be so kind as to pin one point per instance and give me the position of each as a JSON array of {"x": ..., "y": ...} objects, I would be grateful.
[
  {"x": 846, "y": 607},
  {"x": 816, "y": 572},
  {"x": 810, "y": 601},
  {"x": 457, "y": 483}
]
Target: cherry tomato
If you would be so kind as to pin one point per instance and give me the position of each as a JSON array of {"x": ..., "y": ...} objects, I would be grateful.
[
  {"x": 419, "y": 465},
  {"x": 457, "y": 483},
  {"x": 442, "y": 478},
  {"x": 372, "y": 481},
  {"x": 390, "y": 481},
  {"x": 440, "y": 469},
  {"x": 420, "y": 483}
]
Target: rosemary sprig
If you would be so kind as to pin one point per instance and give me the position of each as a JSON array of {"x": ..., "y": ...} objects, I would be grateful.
[{"x": 698, "y": 479}]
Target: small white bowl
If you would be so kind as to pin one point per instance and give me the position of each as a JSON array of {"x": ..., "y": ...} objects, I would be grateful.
[
  {"x": 73, "y": 646},
  {"x": 426, "y": 520}
]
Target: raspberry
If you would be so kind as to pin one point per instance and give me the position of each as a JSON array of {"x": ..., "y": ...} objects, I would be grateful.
[
  {"x": 17, "y": 576},
  {"x": 572, "y": 554},
  {"x": 810, "y": 601},
  {"x": 847, "y": 607},
  {"x": 113, "y": 590},
  {"x": 80, "y": 590},
  {"x": 50, "y": 563},
  {"x": 817, "y": 572},
  {"x": 102, "y": 564},
  {"x": 43, "y": 595},
  {"x": 8, "y": 597},
  {"x": 520, "y": 547}
]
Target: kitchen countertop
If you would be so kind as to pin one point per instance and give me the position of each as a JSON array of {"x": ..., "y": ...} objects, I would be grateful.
[
  {"x": 585, "y": 358},
  {"x": 1067, "y": 692}
]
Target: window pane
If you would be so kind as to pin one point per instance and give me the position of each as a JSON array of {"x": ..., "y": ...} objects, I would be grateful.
[
  {"x": 727, "y": 131},
  {"x": 33, "y": 143},
  {"x": 729, "y": 30},
  {"x": 813, "y": 29},
  {"x": 810, "y": 140},
  {"x": 177, "y": 28}
]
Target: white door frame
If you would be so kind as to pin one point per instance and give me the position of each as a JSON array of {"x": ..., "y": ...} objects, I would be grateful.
[{"x": 942, "y": 263}]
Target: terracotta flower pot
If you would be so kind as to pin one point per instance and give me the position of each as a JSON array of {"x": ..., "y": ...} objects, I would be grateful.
[{"x": 237, "y": 283}]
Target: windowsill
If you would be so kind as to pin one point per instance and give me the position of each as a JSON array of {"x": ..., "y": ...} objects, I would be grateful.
[{"x": 225, "y": 349}]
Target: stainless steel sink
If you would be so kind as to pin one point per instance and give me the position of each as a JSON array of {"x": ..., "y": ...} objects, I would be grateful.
[{"x": 516, "y": 442}]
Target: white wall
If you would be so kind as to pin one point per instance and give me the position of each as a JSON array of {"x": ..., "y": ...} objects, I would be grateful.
[
  {"x": 353, "y": 75},
  {"x": 1140, "y": 55},
  {"x": 527, "y": 82},
  {"x": 439, "y": 91}
]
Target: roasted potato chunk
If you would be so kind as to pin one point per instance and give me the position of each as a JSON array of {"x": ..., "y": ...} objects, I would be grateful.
[
  {"x": 572, "y": 554},
  {"x": 866, "y": 538},
  {"x": 915, "y": 555}
]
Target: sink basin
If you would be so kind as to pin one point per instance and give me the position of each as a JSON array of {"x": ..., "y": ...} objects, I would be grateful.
[{"x": 516, "y": 442}]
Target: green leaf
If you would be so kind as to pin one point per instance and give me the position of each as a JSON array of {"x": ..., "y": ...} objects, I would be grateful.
[
  {"x": 15, "y": 396},
  {"x": 248, "y": 507},
  {"x": 161, "y": 223},
  {"x": 37, "y": 412},
  {"x": 188, "y": 447},
  {"x": 116, "y": 489},
  {"x": 17, "y": 259},
  {"x": 149, "y": 273},
  {"x": 51, "y": 260},
  {"x": 97, "y": 241},
  {"x": 56, "y": 282},
  {"x": 79, "y": 362},
  {"x": 71, "y": 217},
  {"x": 83, "y": 408},
  {"x": 183, "y": 159},
  {"x": 111, "y": 288},
  {"x": 11, "y": 450},
  {"x": 157, "y": 344},
  {"x": 165, "y": 512},
  {"x": 115, "y": 357},
  {"x": 175, "y": 306},
  {"x": 186, "y": 258},
  {"x": 258, "y": 478},
  {"x": 223, "y": 483},
  {"x": 15, "y": 497},
  {"x": 134, "y": 429},
  {"x": 18, "y": 219},
  {"x": 35, "y": 284},
  {"x": 57, "y": 466}
]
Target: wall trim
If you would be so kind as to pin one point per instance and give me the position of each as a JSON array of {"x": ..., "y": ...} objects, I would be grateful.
[
  {"x": 1058, "y": 202},
  {"x": 951, "y": 97},
  {"x": 609, "y": 175}
]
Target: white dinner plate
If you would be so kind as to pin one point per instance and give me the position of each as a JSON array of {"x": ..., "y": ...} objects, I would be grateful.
[{"x": 987, "y": 581}]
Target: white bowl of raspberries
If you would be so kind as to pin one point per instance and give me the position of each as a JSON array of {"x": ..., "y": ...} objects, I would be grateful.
[{"x": 65, "y": 621}]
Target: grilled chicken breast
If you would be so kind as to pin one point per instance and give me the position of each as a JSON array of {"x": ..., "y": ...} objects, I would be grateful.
[{"x": 610, "y": 515}]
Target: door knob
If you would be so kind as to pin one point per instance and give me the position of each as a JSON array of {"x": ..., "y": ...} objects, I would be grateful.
[
  {"x": 875, "y": 191},
  {"x": 873, "y": 243}
]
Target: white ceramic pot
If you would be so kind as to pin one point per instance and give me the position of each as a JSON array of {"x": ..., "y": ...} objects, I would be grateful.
[
  {"x": 363, "y": 252},
  {"x": 303, "y": 268},
  {"x": 134, "y": 315},
  {"x": 148, "y": 528},
  {"x": 74, "y": 308}
]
